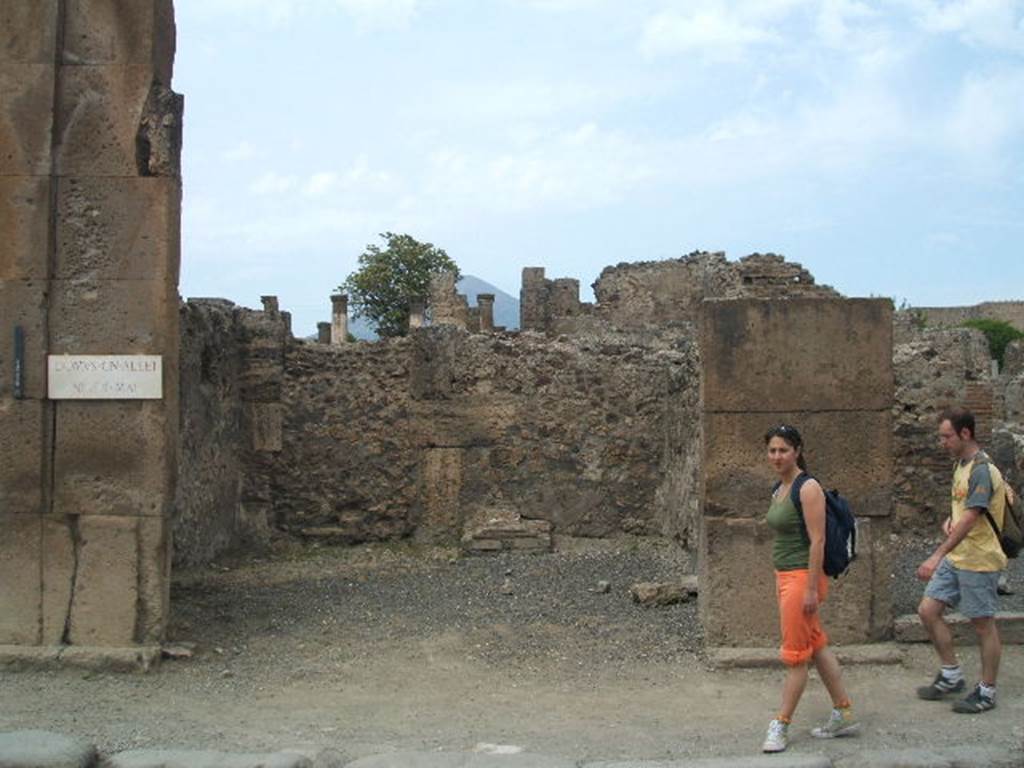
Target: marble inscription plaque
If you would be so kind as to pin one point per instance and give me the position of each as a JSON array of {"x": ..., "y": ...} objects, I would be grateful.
[{"x": 105, "y": 377}]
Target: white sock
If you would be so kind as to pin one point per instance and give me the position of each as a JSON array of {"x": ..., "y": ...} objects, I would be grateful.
[
  {"x": 952, "y": 674},
  {"x": 988, "y": 691}
]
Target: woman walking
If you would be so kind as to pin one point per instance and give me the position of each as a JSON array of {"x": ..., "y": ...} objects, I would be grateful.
[{"x": 801, "y": 587}]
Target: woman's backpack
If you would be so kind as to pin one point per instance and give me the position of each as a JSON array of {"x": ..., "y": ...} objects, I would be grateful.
[{"x": 840, "y": 528}]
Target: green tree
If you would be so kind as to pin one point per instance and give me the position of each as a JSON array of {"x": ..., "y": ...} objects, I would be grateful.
[
  {"x": 389, "y": 278},
  {"x": 999, "y": 333}
]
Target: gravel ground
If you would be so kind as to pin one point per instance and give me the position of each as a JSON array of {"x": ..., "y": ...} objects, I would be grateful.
[{"x": 372, "y": 649}]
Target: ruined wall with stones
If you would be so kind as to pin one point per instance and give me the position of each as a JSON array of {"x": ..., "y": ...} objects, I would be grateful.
[
  {"x": 1011, "y": 312},
  {"x": 660, "y": 293},
  {"x": 441, "y": 431}
]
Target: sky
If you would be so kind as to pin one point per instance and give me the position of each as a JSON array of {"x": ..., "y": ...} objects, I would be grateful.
[{"x": 879, "y": 144}]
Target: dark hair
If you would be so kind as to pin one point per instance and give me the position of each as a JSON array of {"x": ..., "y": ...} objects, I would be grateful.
[
  {"x": 792, "y": 436},
  {"x": 960, "y": 418}
]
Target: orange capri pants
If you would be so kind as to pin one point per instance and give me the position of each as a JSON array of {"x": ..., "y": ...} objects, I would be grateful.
[{"x": 802, "y": 634}]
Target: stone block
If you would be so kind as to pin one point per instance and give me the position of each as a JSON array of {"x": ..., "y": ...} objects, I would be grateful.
[
  {"x": 848, "y": 450},
  {"x": 102, "y": 109},
  {"x": 26, "y": 118},
  {"x": 104, "y": 606},
  {"x": 736, "y": 595},
  {"x": 139, "y": 33},
  {"x": 114, "y": 458},
  {"x": 23, "y": 303},
  {"x": 20, "y": 579},
  {"x": 59, "y": 544},
  {"x": 797, "y": 354},
  {"x": 22, "y": 424},
  {"x": 123, "y": 317},
  {"x": 194, "y": 758},
  {"x": 118, "y": 229},
  {"x": 28, "y": 31},
  {"x": 265, "y": 425},
  {"x": 154, "y": 578},
  {"x": 737, "y": 599},
  {"x": 45, "y": 749},
  {"x": 25, "y": 224}
]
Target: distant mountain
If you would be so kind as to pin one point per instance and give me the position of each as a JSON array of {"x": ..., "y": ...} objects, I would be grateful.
[{"x": 506, "y": 307}]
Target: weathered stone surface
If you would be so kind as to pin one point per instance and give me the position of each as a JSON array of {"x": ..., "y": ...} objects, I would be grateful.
[
  {"x": 23, "y": 303},
  {"x": 194, "y": 758},
  {"x": 761, "y": 658},
  {"x": 460, "y": 760},
  {"x": 265, "y": 423},
  {"x": 104, "y": 608},
  {"x": 136, "y": 658},
  {"x": 112, "y": 32},
  {"x": 154, "y": 579},
  {"x": 114, "y": 458},
  {"x": 20, "y": 579},
  {"x": 44, "y": 749},
  {"x": 102, "y": 110},
  {"x": 59, "y": 545},
  {"x": 26, "y": 118},
  {"x": 909, "y": 629},
  {"x": 28, "y": 32},
  {"x": 124, "y": 317},
  {"x": 752, "y": 364},
  {"x": 24, "y": 222},
  {"x": 859, "y": 604},
  {"x": 118, "y": 229},
  {"x": 651, "y": 593},
  {"x": 972, "y": 756},
  {"x": 22, "y": 424},
  {"x": 738, "y": 478},
  {"x": 787, "y": 760}
]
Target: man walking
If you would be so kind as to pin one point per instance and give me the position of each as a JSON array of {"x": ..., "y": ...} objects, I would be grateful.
[{"x": 964, "y": 570}]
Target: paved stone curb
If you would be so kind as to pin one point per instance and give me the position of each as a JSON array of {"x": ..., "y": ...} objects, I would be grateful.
[
  {"x": 460, "y": 760},
  {"x": 43, "y": 749},
  {"x": 135, "y": 659},
  {"x": 955, "y": 757},
  {"x": 753, "y": 761},
  {"x": 187, "y": 758},
  {"x": 908, "y": 628},
  {"x": 759, "y": 658}
]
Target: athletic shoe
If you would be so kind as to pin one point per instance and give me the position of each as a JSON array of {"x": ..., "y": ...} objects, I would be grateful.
[
  {"x": 974, "y": 704},
  {"x": 939, "y": 688},
  {"x": 777, "y": 738},
  {"x": 840, "y": 723}
]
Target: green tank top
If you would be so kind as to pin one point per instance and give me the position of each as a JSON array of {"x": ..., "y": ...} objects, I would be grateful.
[{"x": 791, "y": 548}]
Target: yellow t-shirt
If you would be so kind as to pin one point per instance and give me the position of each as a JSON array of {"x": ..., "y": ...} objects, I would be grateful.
[{"x": 979, "y": 550}]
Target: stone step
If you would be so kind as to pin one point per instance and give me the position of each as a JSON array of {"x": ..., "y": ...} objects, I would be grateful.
[
  {"x": 759, "y": 658},
  {"x": 195, "y": 758},
  {"x": 43, "y": 749},
  {"x": 908, "y": 628}
]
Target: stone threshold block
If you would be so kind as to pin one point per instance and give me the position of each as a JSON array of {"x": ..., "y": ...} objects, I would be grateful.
[
  {"x": 908, "y": 628},
  {"x": 760, "y": 658},
  {"x": 96, "y": 659},
  {"x": 44, "y": 749},
  {"x": 25, "y": 213},
  {"x": 194, "y": 758},
  {"x": 460, "y": 760}
]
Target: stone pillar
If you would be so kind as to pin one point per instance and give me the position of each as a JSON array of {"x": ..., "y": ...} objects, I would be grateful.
[
  {"x": 339, "y": 318},
  {"x": 270, "y": 304},
  {"x": 323, "y": 333},
  {"x": 417, "y": 313},
  {"x": 485, "y": 302},
  {"x": 91, "y": 225},
  {"x": 825, "y": 367},
  {"x": 564, "y": 297},
  {"x": 533, "y": 300}
]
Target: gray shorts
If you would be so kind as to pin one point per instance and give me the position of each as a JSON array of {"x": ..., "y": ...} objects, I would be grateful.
[{"x": 973, "y": 591}]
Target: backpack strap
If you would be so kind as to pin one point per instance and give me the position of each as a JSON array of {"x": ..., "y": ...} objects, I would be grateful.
[
  {"x": 982, "y": 458},
  {"x": 794, "y": 496}
]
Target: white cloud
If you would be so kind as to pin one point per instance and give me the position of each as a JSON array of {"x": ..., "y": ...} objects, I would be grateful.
[
  {"x": 320, "y": 184},
  {"x": 367, "y": 13},
  {"x": 242, "y": 151},
  {"x": 272, "y": 183},
  {"x": 988, "y": 114},
  {"x": 986, "y": 23},
  {"x": 714, "y": 32}
]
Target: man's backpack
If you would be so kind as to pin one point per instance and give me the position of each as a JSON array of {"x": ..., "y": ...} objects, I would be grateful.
[
  {"x": 840, "y": 528},
  {"x": 1011, "y": 537}
]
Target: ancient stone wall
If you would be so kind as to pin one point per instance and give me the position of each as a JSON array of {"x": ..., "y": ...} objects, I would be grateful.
[
  {"x": 90, "y": 136},
  {"x": 436, "y": 432},
  {"x": 1011, "y": 312},
  {"x": 836, "y": 387}
]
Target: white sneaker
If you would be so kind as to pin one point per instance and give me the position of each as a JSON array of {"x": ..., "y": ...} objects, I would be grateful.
[
  {"x": 840, "y": 723},
  {"x": 777, "y": 738}
]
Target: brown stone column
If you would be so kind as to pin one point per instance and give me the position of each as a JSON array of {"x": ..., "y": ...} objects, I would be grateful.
[
  {"x": 90, "y": 183},
  {"x": 339, "y": 318},
  {"x": 323, "y": 333},
  {"x": 825, "y": 367},
  {"x": 485, "y": 302}
]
